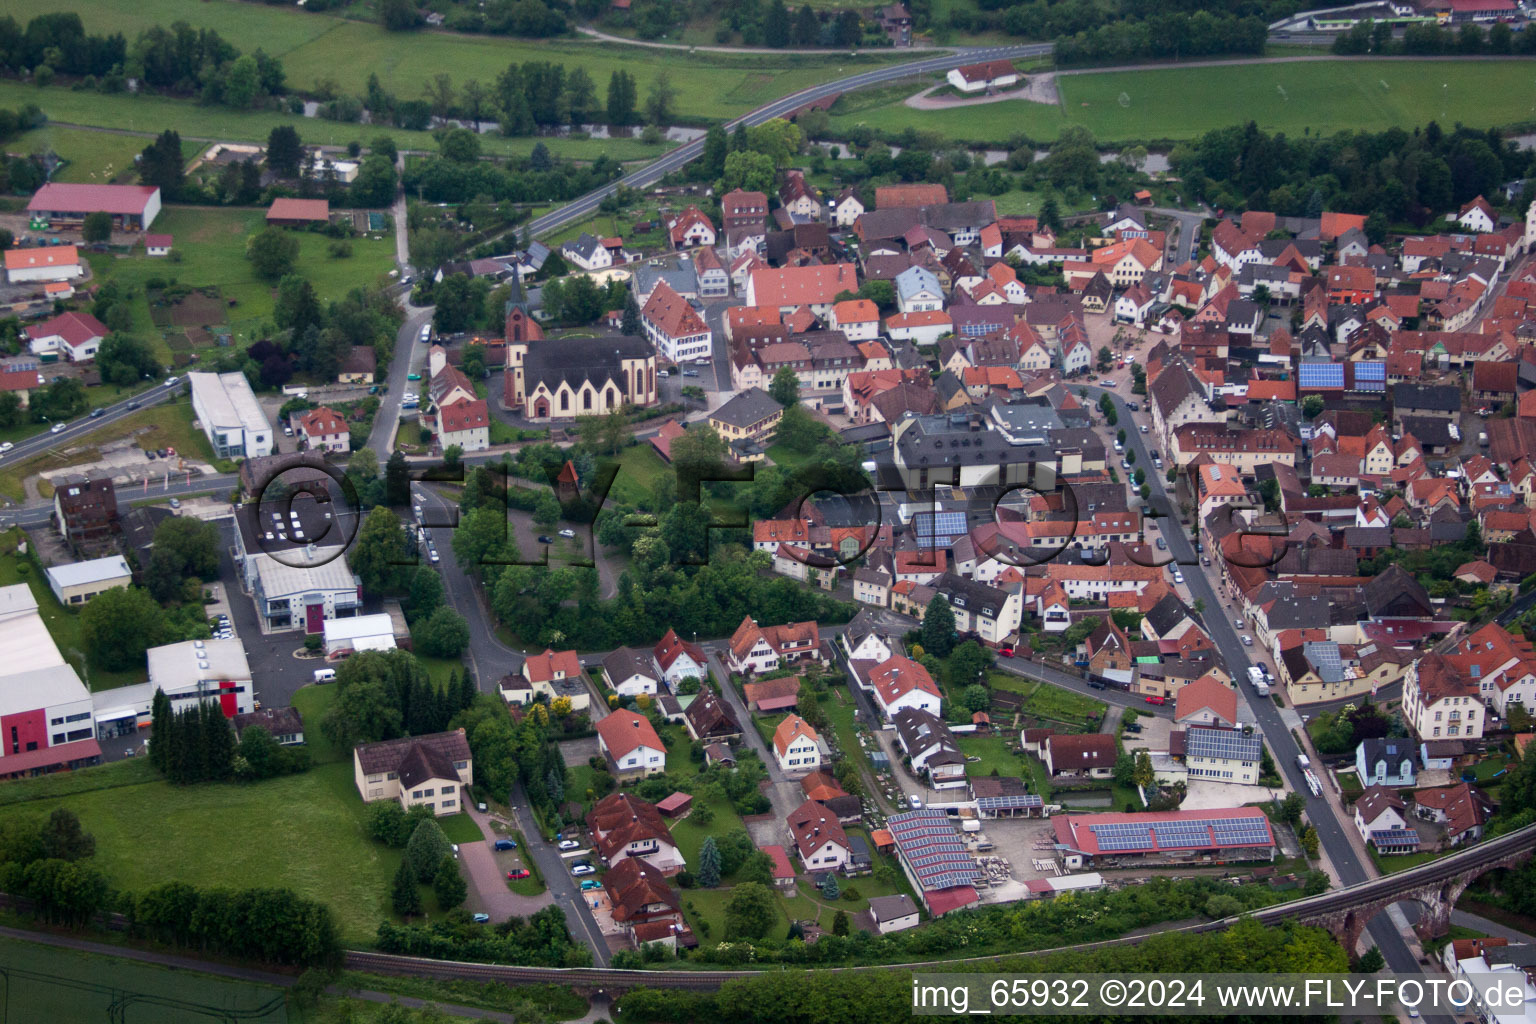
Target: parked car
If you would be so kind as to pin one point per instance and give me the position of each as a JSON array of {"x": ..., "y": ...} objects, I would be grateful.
[
  {"x": 517, "y": 873},
  {"x": 690, "y": 373},
  {"x": 1247, "y": 640},
  {"x": 1156, "y": 698},
  {"x": 1238, "y": 623},
  {"x": 1178, "y": 577},
  {"x": 569, "y": 844},
  {"x": 1143, "y": 428},
  {"x": 916, "y": 802},
  {"x": 1095, "y": 684},
  {"x": 505, "y": 844},
  {"x": 583, "y": 869},
  {"x": 545, "y": 540},
  {"x": 413, "y": 376},
  {"x": 1006, "y": 650},
  {"x": 567, "y": 533},
  {"x": 175, "y": 503},
  {"x": 588, "y": 884},
  {"x": 481, "y": 918}
]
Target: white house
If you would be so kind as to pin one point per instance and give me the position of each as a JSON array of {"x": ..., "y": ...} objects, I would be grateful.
[
  {"x": 630, "y": 671},
  {"x": 858, "y": 319},
  {"x": 42, "y": 263},
  {"x": 324, "y": 430},
  {"x": 230, "y": 416},
  {"x": 1478, "y": 216},
  {"x": 819, "y": 838},
  {"x": 72, "y": 336},
  {"x": 845, "y": 208},
  {"x": 631, "y": 745},
  {"x": 678, "y": 660},
  {"x": 796, "y": 746},
  {"x": 1378, "y": 810},
  {"x": 158, "y": 245},
  {"x": 1222, "y": 755},
  {"x": 918, "y": 291},
  {"x": 988, "y": 75},
  {"x": 1439, "y": 703},
  {"x": 588, "y": 252},
  {"x": 893, "y": 913},
  {"x": 899, "y": 682}
]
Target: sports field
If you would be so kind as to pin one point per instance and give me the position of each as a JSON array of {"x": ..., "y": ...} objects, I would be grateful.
[
  {"x": 1179, "y": 103},
  {"x": 44, "y": 983},
  {"x": 320, "y": 47}
]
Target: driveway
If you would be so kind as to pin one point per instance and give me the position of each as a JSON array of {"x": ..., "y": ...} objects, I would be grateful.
[
  {"x": 486, "y": 871},
  {"x": 276, "y": 673}
]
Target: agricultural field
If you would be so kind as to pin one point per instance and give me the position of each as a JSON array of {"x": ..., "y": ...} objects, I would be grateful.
[
  {"x": 1182, "y": 102},
  {"x": 91, "y": 157},
  {"x": 211, "y": 244},
  {"x": 322, "y": 48},
  {"x": 47, "y": 983}
]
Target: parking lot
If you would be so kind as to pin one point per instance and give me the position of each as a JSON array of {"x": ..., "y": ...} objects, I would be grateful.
[{"x": 277, "y": 674}]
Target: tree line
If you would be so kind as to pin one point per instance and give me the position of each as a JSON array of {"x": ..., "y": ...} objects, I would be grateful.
[
  {"x": 532, "y": 19},
  {"x": 542, "y": 940},
  {"x": 382, "y": 695},
  {"x": 1403, "y": 176},
  {"x": 197, "y": 744},
  {"x": 821, "y": 997},
  {"x": 180, "y": 60},
  {"x": 1376, "y": 37},
  {"x": 44, "y": 861},
  {"x": 275, "y": 926}
]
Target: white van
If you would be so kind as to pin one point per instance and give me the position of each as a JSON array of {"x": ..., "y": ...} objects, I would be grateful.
[{"x": 325, "y": 675}]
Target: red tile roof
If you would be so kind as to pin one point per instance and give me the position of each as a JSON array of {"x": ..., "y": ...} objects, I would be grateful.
[
  {"x": 57, "y": 197},
  {"x": 541, "y": 668},
  {"x": 299, "y": 209},
  {"x": 624, "y": 731},
  {"x": 322, "y": 421},
  {"x": 49, "y": 256}
]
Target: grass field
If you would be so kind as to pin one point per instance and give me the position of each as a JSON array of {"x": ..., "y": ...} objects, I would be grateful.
[
  {"x": 1180, "y": 103},
  {"x": 147, "y": 115},
  {"x": 92, "y": 156},
  {"x": 211, "y": 242},
  {"x": 46, "y": 983},
  {"x": 320, "y": 47},
  {"x": 231, "y": 834}
]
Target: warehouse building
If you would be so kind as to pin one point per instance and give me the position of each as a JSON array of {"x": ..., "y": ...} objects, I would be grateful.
[
  {"x": 1222, "y": 835},
  {"x": 230, "y": 416},
  {"x": 133, "y": 207}
]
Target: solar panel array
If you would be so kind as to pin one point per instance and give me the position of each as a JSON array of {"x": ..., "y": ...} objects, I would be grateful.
[
  {"x": 1371, "y": 376},
  {"x": 1180, "y": 834},
  {"x": 1395, "y": 838},
  {"x": 1320, "y": 375},
  {"x": 1227, "y": 744},
  {"x": 939, "y": 528},
  {"x": 931, "y": 845},
  {"x": 1241, "y": 831},
  {"x": 1005, "y": 803}
]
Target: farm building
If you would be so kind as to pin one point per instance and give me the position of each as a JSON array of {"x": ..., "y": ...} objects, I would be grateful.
[{"x": 133, "y": 207}]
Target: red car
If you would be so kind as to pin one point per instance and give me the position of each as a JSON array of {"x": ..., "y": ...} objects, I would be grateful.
[
  {"x": 1005, "y": 651},
  {"x": 1155, "y": 699},
  {"x": 517, "y": 873}
]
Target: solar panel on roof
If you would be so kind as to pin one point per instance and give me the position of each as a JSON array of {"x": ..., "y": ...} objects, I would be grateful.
[
  {"x": 1222, "y": 743},
  {"x": 1320, "y": 375},
  {"x": 1395, "y": 837},
  {"x": 993, "y": 803}
]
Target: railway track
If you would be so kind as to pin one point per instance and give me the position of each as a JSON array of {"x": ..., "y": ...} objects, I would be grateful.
[{"x": 1441, "y": 870}]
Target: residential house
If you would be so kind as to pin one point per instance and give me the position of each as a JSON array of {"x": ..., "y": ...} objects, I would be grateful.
[
  {"x": 845, "y": 208},
  {"x": 757, "y": 649},
  {"x": 678, "y": 659},
  {"x": 625, "y": 827},
  {"x": 1385, "y": 761},
  {"x": 752, "y": 416},
  {"x": 325, "y": 430},
  {"x": 918, "y": 291},
  {"x": 631, "y": 745},
  {"x": 711, "y": 719},
  {"x": 433, "y": 771},
  {"x": 819, "y": 838},
  {"x": 1222, "y": 755},
  {"x": 1439, "y": 702},
  {"x": 930, "y": 747},
  {"x": 1464, "y": 811},
  {"x": 796, "y": 746},
  {"x": 557, "y": 674},
  {"x": 1090, "y": 754},
  {"x": 1379, "y": 820},
  {"x": 1206, "y": 701},
  {"x": 74, "y": 337},
  {"x": 899, "y": 682},
  {"x": 691, "y": 229},
  {"x": 675, "y": 327},
  {"x": 631, "y": 671},
  {"x": 588, "y": 252}
]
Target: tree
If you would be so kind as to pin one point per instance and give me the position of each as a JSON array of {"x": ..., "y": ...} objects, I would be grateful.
[
  {"x": 97, "y": 226},
  {"x": 62, "y": 837},
  {"x": 829, "y": 888},
  {"x": 546, "y": 509},
  {"x": 397, "y": 480},
  {"x": 125, "y": 359},
  {"x": 426, "y": 593},
  {"x": 285, "y": 150},
  {"x": 1291, "y": 808},
  {"x": 1144, "y": 776},
  {"x": 272, "y": 253},
  {"x": 660, "y": 99},
  {"x": 938, "y": 630},
  {"x": 183, "y": 548},
  {"x": 379, "y": 553},
  {"x": 161, "y": 164},
  {"x": 709, "y": 863},
  {"x": 976, "y": 698},
  {"x": 1311, "y": 406},
  {"x": 716, "y": 147},
  {"x": 426, "y": 849},
  {"x": 1371, "y": 961},
  {"x": 1309, "y": 840},
  {"x": 749, "y": 170},
  {"x": 776, "y": 25},
  {"x": 442, "y": 634},
  {"x": 118, "y": 625},
  {"x": 750, "y": 911},
  {"x": 621, "y": 98},
  {"x": 404, "y": 896},
  {"x": 448, "y": 884},
  {"x": 399, "y": 15},
  {"x": 459, "y": 145},
  {"x": 967, "y": 662},
  {"x": 785, "y": 387}
]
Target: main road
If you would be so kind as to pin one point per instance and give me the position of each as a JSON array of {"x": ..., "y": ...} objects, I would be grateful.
[
  {"x": 1218, "y": 624},
  {"x": 684, "y": 154}
]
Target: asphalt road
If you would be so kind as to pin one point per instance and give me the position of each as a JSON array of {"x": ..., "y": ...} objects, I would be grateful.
[
  {"x": 79, "y": 428},
  {"x": 557, "y": 878},
  {"x": 1341, "y": 854},
  {"x": 677, "y": 158}
]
